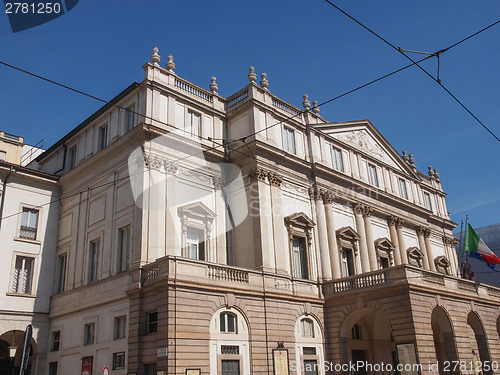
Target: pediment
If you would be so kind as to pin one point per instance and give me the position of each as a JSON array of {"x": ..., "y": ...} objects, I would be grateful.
[
  {"x": 196, "y": 209},
  {"x": 347, "y": 233},
  {"x": 384, "y": 243},
  {"x": 414, "y": 252},
  {"x": 441, "y": 261},
  {"x": 299, "y": 219},
  {"x": 365, "y": 138}
]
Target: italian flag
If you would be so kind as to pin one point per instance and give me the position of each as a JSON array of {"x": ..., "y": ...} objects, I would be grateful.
[{"x": 478, "y": 249}]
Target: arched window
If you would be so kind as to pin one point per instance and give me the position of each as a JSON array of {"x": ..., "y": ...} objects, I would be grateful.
[
  {"x": 228, "y": 322},
  {"x": 307, "y": 327}
]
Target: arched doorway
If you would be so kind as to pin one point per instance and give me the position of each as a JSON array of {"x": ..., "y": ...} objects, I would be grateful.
[
  {"x": 366, "y": 335},
  {"x": 308, "y": 346},
  {"x": 444, "y": 339},
  {"x": 13, "y": 339},
  {"x": 477, "y": 338}
]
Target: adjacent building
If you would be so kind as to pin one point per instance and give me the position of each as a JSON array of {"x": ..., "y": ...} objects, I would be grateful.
[
  {"x": 29, "y": 217},
  {"x": 207, "y": 235}
]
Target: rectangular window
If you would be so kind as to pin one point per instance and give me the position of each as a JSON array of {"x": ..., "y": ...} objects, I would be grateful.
[
  {"x": 94, "y": 260},
  {"x": 53, "y": 368},
  {"x": 194, "y": 124},
  {"x": 130, "y": 118},
  {"x": 123, "y": 249},
  {"x": 347, "y": 262},
  {"x": 56, "y": 339},
  {"x": 72, "y": 157},
  {"x": 3, "y": 155},
  {"x": 119, "y": 361},
  {"x": 88, "y": 333},
  {"x": 300, "y": 258},
  {"x": 289, "y": 140},
  {"x": 120, "y": 327},
  {"x": 62, "y": 261},
  {"x": 152, "y": 322},
  {"x": 195, "y": 244},
  {"x": 150, "y": 369},
  {"x": 402, "y": 189},
  {"x": 427, "y": 201},
  {"x": 103, "y": 137},
  {"x": 23, "y": 275},
  {"x": 372, "y": 171},
  {"x": 29, "y": 224},
  {"x": 338, "y": 163},
  {"x": 384, "y": 262}
]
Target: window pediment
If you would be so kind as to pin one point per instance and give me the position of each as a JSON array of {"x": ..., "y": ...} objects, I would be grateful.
[
  {"x": 347, "y": 233},
  {"x": 299, "y": 219},
  {"x": 442, "y": 264},
  {"x": 196, "y": 210},
  {"x": 415, "y": 256},
  {"x": 384, "y": 244}
]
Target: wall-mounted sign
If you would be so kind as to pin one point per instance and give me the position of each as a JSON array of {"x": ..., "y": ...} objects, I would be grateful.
[
  {"x": 280, "y": 362},
  {"x": 193, "y": 371},
  {"x": 162, "y": 352},
  {"x": 87, "y": 363}
]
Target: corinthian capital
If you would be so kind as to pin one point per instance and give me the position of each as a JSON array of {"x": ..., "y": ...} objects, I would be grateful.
[{"x": 274, "y": 179}]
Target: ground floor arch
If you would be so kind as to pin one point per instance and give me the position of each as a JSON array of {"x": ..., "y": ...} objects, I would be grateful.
[
  {"x": 367, "y": 336},
  {"x": 477, "y": 339},
  {"x": 444, "y": 339},
  {"x": 11, "y": 343}
]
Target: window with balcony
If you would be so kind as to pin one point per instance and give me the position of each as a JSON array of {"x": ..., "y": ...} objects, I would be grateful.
[
  {"x": 102, "y": 139},
  {"x": 123, "y": 252},
  {"x": 338, "y": 162},
  {"x": 228, "y": 322},
  {"x": 402, "y": 189},
  {"x": 29, "y": 224},
  {"x": 348, "y": 262},
  {"x": 194, "y": 124},
  {"x": 62, "y": 261},
  {"x": 289, "y": 140},
  {"x": 196, "y": 222},
  {"x": 93, "y": 270},
  {"x": 151, "y": 322},
  {"x": 88, "y": 334},
  {"x": 23, "y": 275},
  {"x": 347, "y": 240},
  {"x": 372, "y": 173},
  {"x": 300, "y": 261}
]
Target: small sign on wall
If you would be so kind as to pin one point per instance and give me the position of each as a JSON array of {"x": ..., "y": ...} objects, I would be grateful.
[
  {"x": 280, "y": 362},
  {"x": 193, "y": 371},
  {"x": 162, "y": 352}
]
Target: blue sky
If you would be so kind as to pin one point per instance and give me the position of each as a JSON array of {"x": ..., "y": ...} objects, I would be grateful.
[{"x": 304, "y": 47}]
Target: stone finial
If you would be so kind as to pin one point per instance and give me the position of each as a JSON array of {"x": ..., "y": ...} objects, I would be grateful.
[
  {"x": 264, "y": 83},
  {"x": 411, "y": 160},
  {"x": 252, "y": 77},
  {"x": 306, "y": 103},
  {"x": 405, "y": 155},
  {"x": 170, "y": 64},
  {"x": 436, "y": 174},
  {"x": 155, "y": 58},
  {"x": 214, "y": 86},
  {"x": 431, "y": 172},
  {"x": 315, "y": 108}
]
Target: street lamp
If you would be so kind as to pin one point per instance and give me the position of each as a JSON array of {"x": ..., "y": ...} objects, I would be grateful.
[{"x": 12, "y": 351}]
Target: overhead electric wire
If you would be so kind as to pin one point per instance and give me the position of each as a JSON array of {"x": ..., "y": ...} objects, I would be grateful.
[{"x": 425, "y": 71}]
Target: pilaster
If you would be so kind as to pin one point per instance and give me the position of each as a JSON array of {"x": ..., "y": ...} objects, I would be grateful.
[{"x": 360, "y": 228}]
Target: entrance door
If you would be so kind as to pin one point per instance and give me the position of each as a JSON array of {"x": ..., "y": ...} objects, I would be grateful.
[
  {"x": 359, "y": 355},
  {"x": 230, "y": 367},
  {"x": 310, "y": 367}
]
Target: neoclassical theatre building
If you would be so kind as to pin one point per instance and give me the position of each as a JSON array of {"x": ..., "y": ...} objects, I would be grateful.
[{"x": 207, "y": 235}]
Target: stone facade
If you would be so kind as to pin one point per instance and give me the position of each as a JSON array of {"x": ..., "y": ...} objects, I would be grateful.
[{"x": 186, "y": 251}]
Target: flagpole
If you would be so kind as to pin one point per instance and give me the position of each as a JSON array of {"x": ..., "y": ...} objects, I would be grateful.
[
  {"x": 461, "y": 274},
  {"x": 466, "y": 253}
]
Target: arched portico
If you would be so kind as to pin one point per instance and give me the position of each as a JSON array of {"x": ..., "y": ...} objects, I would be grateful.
[
  {"x": 12, "y": 342},
  {"x": 477, "y": 339},
  {"x": 444, "y": 339}
]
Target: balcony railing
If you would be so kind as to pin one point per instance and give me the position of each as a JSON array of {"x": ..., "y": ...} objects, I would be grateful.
[
  {"x": 193, "y": 89},
  {"x": 359, "y": 281},
  {"x": 28, "y": 233},
  {"x": 228, "y": 274},
  {"x": 237, "y": 98}
]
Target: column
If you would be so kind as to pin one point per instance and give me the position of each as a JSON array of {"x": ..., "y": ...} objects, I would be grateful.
[
  {"x": 221, "y": 226},
  {"x": 281, "y": 249},
  {"x": 391, "y": 222},
  {"x": 332, "y": 237},
  {"x": 360, "y": 228},
  {"x": 372, "y": 254},
  {"x": 322, "y": 234},
  {"x": 449, "y": 250},
  {"x": 401, "y": 241},
  {"x": 421, "y": 245},
  {"x": 428, "y": 249}
]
